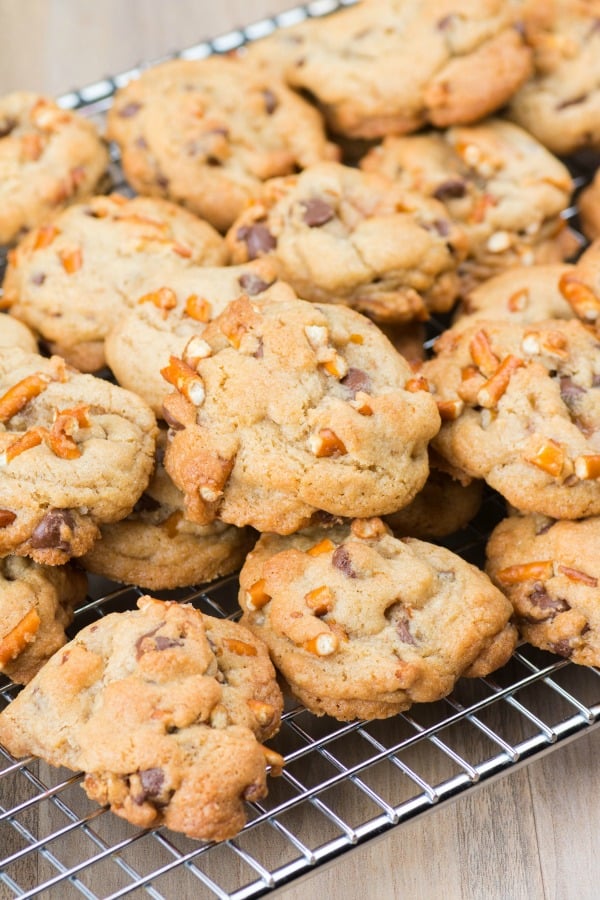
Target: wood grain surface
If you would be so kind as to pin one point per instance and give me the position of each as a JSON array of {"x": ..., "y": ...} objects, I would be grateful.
[{"x": 533, "y": 834}]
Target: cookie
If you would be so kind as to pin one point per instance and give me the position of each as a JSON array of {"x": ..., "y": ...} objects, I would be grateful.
[
  {"x": 163, "y": 709},
  {"x": 36, "y": 605},
  {"x": 391, "y": 66},
  {"x": 580, "y": 286},
  {"x": 523, "y": 295},
  {"x": 447, "y": 502},
  {"x": 520, "y": 406},
  {"x": 49, "y": 157},
  {"x": 75, "y": 452},
  {"x": 560, "y": 103},
  {"x": 338, "y": 235},
  {"x": 363, "y": 625},
  {"x": 207, "y": 133},
  {"x": 500, "y": 185},
  {"x": 287, "y": 409},
  {"x": 157, "y": 548},
  {"x": 550, "y": 571},
  {"x": 162, "y": 322},
  {"x": 73, "y": 278},
  {"x": 14, "y": 334}
]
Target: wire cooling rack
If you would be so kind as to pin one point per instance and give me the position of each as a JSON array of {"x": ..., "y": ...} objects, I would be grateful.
[{"x": 343, "y": 784}]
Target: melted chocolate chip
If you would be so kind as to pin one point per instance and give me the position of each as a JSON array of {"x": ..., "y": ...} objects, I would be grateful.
[
  {"x": 451, "y": 189},
  {"x": 540, "y": 598},
  {"x": 569, "y": 391},
  {"x": 252, "y": 284},
  {"x": 38, "y": 278},
  {"x": 152, "y": 781},
  {"x": 129, "y": 110},
  {"x": 317, "y": 212},
  {"x": 341, "y": 560},
  {"x": 322, "y": 517},
  {"x": 258, "y": 239},
  {"x": 162, "y": 642},
  {"x": 403, "y": 632},
  {"x": 54, "y": 532},
  {"x": 171, "y": 421},
  {"x": 271, "y": 101},
  {"x": 356, "y": 380},
  {"x": 7, "y": 126},
  {"x": 562, "y": 648},
  {"x": 7, "y": 517}
]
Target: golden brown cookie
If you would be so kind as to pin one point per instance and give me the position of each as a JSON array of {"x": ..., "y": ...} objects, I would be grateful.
[
  {"x": 161, "y": 708},
  {"x": 364, "y": 625}
]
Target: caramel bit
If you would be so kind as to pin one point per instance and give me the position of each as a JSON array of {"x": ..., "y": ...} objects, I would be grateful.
[
  {"x": 263, "y": 712},
  {"x": 576, "y": 575},
  {"x": 7, "y": 517},
  {"x": 320, "y": 600},
  {"x": 518, "y": 301},
  {"x": 368, "y": 529},
  {"x": 581, "y": 297},
  {"x": 17, "y": 639},
  {"x": 356, "y": 339},
  {"x": 44, "y": 236},
  {"x": 450, "y": 410},
  {"x": 323, "y": 644},
  {"x": 256, "y": 595},
  {"x": 164, "y": 299},
  {"x": 327, "y": 443},
  {"x": 198, "y": 308},
  {"x": 32, "y": 146},
  {"x": 419, "y": 383},
  {"x": 587, "y": 467},
  {"x": 482, "y": 354},
  {"x": 185, "y": 380},
  {"x": 533, "y": 571},
  {"x": 171, "y": 522},
  {"x": 495, "y": 387},
  {"x": 240, "y": 648},
  {"x": 550, "y": 457},
  {"x": 19, "y": 395},
  {"x": 71, "y": 260},
  {"x": 324, "y": 546}
]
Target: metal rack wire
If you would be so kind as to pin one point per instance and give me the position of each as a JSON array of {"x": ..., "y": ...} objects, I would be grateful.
[{"x": 346, "y": 783}]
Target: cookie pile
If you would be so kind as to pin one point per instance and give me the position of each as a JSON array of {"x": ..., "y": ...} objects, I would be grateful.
[{"x": 263, "y": 298}]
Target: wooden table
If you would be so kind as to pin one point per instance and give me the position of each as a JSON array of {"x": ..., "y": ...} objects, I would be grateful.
[{"x": 533, "y": 834}]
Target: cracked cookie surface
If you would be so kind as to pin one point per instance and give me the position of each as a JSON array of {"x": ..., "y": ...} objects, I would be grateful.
[
  {"x": 333, "y": 421},
  {"x": 364, "y": 625},
  {"x": 163, "y": 709}
]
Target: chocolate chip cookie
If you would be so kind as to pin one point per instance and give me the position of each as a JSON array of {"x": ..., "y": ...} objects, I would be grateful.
[
  {"x": 391, "y": 66},
  {"x": 550, "y": 571},
  {"x": 500, "y": 185},
  {"x": 157, "y": 548},
  {"x": 49, "y": 157},
  {"x": 338, "y": 235},
  {"x": 520, "y": 406},
  {"x": 163, "y": 709},
  {"x": 560, "y": 104},
  {"x": 207, "y": 133},
  {"x": 15, "y": 334},
  {"x": 75, "y": 452},
  {"x": 36, "y": 605},
  {"x": 73, "y": 278},
  {"x": 162, "y": 322},
  {"x": 290, "y": 408},
  {"x": 363, "y": 625}
]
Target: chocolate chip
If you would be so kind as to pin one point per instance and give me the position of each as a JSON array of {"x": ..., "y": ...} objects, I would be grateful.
[
  {"x": 574, "y": 101},
  {"x": 258, "y": 239},
  {"x": 562, "y": 648},
  {"x": 171, "y": 421},
  {"x": 442, "y": 227},
  {"x": 451, "y": 189},
  {"x": 152, "y": 781},
  {"x": 162, "y": 642},
  {"x": 540, "y": 598},
  {"x": 253, "y": 284},
  {"x": 403, "y": 632},
  {"x": 322, "y": 517},
  {"x": 7, "y": 126},
  {"x": 38, "y": 278},
  {"x": 54, "y": 531},
  {"x": 317, "y": 212},
  {"x": 7, "y": 517},
  {"x": 129, "y": 110},
  {"x": 271, "y": 101},
  {"x": 570, "y": 392},
  {"x": 162, "y": 180},
  {"x": 356, "y": 380},
  {"x": 341, "y": 560},
  {"x": 445, "y": 22},
  {"x": 146, "y": 503}
]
